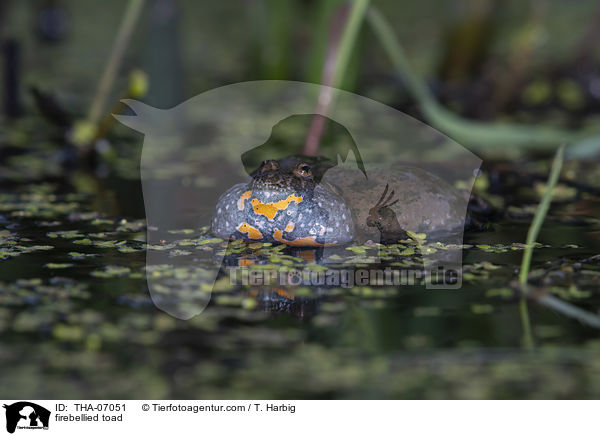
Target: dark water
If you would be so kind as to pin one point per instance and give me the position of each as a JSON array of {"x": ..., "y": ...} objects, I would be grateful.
[{"x": 77, "y": 320}]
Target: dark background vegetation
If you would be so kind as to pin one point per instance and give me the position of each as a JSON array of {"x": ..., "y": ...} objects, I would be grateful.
[{"x": 530, "y": 60}]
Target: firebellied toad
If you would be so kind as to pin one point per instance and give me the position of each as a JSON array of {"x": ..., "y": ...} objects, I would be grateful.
[{"x": 288, "y": 201}]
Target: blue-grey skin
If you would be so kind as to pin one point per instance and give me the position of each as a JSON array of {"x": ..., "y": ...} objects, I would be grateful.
[
  {"x": 421, "y": 202},
  {"x": 281, "y": 204}
]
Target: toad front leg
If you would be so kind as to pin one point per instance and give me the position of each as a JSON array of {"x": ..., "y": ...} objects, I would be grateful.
[{"x": 384, "y": 218}]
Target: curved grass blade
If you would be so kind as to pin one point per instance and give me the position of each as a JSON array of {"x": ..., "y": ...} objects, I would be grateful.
[{"x": 478, "y": 135}]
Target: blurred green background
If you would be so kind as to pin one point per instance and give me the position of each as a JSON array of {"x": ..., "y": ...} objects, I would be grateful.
[{"x": 531, "y": 60}]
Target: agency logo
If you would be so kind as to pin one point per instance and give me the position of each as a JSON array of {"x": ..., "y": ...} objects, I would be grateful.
[{"x": 26, "y": 415}]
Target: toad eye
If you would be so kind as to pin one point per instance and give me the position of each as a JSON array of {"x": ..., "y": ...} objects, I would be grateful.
[{"x": 304, "y": 170}]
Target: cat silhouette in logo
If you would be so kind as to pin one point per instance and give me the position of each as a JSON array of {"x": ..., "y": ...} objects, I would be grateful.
[{"x": 26, "y": 414}]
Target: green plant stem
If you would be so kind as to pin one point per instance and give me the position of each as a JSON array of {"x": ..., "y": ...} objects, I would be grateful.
[
  {"x": 540, "y": 215},
  {"x": 528, "y": 342},
  {"x": 547, "y": 300},
  {"x": 126, "y": 29},
  {"x": 478, "y": 135},
  {"x": 532, "y": 234},
  {"x": 336, "y": 61},
  {"x": 357, "y": 15}
]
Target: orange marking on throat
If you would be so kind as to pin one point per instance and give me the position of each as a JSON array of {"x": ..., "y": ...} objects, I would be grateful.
[
  {"x": 290, "y": 227},
  {"x": 252, "y": 232},
  {"x": 245, "y": 262},
  {"x": 309, "y": 256},
  {"x": 299, "y": 242},
  {"x": 270, "y": 209},
  {"x": 284, "y": 293},
  {"x": 246, "y": 195}
]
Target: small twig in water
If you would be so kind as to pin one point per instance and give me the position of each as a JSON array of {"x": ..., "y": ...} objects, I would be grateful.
[
  {"x": 583, "y": 316},
  {"x": 85, "y": 131},
  {"x": 126, "y": 29}
]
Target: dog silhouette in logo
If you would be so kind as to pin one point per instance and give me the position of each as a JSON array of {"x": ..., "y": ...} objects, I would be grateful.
[{"x": 26, "y": 414}]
